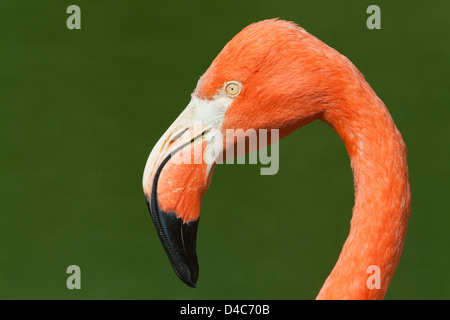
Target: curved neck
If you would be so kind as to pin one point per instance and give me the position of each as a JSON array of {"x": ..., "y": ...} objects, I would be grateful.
[{"x": 382, "y": 198}]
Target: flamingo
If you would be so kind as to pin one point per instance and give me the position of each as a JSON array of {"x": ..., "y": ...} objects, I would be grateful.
[{"x": 275, "y": 75}]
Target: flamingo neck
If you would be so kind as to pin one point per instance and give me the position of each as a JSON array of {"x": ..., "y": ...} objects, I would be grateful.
[{"x": 382, "y": 198}]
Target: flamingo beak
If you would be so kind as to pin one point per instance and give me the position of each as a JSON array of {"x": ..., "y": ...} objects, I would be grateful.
[{"x": 175, "y": 180}]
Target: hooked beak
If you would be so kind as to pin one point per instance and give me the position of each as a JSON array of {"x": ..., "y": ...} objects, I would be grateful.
[{"x": 175, "y": 180}]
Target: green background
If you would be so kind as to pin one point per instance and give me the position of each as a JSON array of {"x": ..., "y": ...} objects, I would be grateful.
[{"x": 80, "y": 111}]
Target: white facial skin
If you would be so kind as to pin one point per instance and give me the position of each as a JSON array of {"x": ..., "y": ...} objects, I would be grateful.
[{"x": 198, "y": 116}]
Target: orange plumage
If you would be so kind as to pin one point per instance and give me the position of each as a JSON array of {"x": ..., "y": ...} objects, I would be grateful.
[{"x": 290, "y": 78}]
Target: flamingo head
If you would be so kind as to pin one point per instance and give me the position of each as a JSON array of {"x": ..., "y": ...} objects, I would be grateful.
[{"x": 269, "y": 76}]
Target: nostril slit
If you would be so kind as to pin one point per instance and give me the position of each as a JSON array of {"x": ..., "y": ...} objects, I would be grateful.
[{"x": 178, "y": 134}]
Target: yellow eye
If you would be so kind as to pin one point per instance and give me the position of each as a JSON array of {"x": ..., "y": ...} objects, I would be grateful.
[{"x": 233, "y": 88}]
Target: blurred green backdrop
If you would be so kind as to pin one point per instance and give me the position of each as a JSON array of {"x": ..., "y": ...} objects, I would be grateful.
[{"x": 80, "y": 111}]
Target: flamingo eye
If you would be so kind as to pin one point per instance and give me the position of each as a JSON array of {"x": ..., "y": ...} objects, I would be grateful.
[{"x": 233, "y": 88}]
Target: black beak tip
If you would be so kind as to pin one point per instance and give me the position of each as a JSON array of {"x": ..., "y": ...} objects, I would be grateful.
[
  {"x": 179, "y": 241},
  {"x": 191, "y": 281}
]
